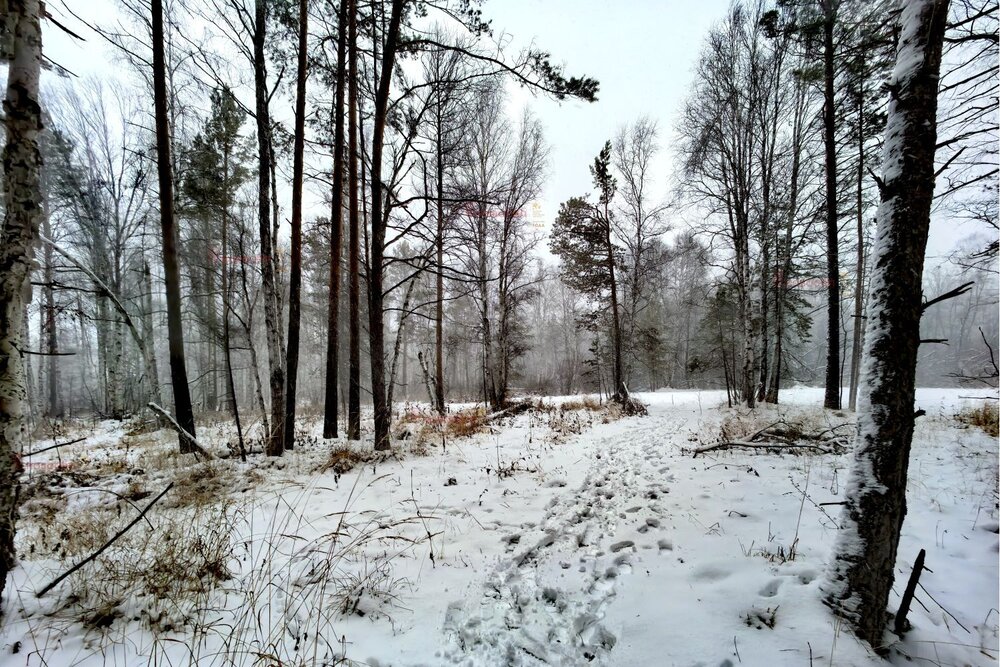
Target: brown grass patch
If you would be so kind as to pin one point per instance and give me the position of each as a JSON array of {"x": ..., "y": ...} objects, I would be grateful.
[{"x": 986, "y": 417}]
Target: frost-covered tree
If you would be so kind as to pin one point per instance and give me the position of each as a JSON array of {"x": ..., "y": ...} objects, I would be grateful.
[
  {"x": 21, "y": 40},
  {"x": 862, "y": 569}
]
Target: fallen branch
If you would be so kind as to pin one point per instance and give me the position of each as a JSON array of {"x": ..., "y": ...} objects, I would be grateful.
[
  {"x": 55, "y": 582},
  {"x": 189, "y": 439},
  {"x": 50, "y": 447},
  {"x": 763, "y": 445}
]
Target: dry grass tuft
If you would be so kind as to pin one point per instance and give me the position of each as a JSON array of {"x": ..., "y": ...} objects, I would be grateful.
[
  {"x": 583, "y": 403},
  {"x": 201, "y": 484},
  {"x": 986, "y": 417},
  {"x": 465, "y": 423},
  {"x": 343, "y": 459}
]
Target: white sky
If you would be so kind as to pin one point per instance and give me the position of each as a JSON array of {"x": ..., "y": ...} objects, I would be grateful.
[{"x": 643, "y": 52}]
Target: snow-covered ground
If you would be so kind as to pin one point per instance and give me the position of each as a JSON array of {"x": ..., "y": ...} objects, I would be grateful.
[{"x": 555, "y": 539}]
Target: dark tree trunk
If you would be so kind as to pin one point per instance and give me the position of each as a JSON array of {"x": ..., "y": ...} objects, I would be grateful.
[
  {"x": 860, "y": 270},
  {"x": 295, "y": 267},
  {"x": 330, "y": 416},
  {"x": 227, "y": 345},
  {"x": 439, "y": 281},
  {"x": 862, "y": 568},
  {"x": 52, "y": 408},
  {"x": 832, "y": 397},
  {"x": 353, "y": 268},
  {"x": 171, "y": 270},
  {"x": 378, "y": 224},
  {"x": 618, "y": 392}
]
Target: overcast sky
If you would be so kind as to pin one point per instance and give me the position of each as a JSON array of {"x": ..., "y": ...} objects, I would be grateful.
[{"x": 643, "y": 52}]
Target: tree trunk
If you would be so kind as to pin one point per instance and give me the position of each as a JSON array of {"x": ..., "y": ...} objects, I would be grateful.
[
  {"x": 353, "y": 268},
  {"x": 861, "y": 571},
  {"x": 295, "y": 267},
  {"x": 378, "y": 224},
  {"x": 148, "y": 350},
  {"x": 267, "y": 260},
  {"x": 227, "y": 347},
  {"x": 439, "y": 280},
  {"x": 330, "y": 416},
  {"x": 618, "y": 392},
  {"x": 23, "y": 207},
  {"x": 860, "y": 270},
  {"x": 53, "y": 408},
  {"x": 832, "y": 397},
  {"x": 171, "y": 268}
]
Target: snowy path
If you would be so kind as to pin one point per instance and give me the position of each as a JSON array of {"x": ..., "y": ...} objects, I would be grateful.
[
  {"x": 656, "y": 558},
  {"x": 545, "y": 602}
]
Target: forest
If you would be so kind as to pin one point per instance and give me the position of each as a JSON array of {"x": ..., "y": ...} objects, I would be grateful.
[{"x": 296, "y": 316}]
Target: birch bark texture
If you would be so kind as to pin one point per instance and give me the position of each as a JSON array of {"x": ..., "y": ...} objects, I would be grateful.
[{"x": 22, "y": 164}]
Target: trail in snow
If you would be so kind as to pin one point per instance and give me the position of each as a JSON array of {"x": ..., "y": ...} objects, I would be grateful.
[{"x": 546, "y": 600}]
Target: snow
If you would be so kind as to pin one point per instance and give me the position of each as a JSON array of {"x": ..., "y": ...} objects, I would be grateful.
[{"x": 559, "y": 540}]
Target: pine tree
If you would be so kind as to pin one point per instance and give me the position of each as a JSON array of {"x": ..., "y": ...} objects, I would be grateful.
[{"x": 582, "y": 239}]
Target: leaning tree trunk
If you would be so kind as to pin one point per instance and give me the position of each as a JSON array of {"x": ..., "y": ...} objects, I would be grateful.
[
  {"x": 171, "y": 268},
  {"x": 861, "y": 571},
  {"x": 23, "y": 201}
]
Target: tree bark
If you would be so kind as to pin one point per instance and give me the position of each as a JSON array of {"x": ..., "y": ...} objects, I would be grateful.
[
  {"x": 171, "y": 268},
  {"x": 832, "y": 397},
  {"x": 227, "y": 346},
  {"x": 861, "y": 571},
  {"x": 295, "y": 266},
  {"x": 330, "y": 416},
  {"x": 22, "y": 164},
  {"x": 353, "y": 268},
  {"x": 619, "y": 392},
  {"x": 272, "y": 313},
  {"x": 860, "y": 269},
  {"x": 378, "y": 225},
  {"x": 439, "y": 279}
]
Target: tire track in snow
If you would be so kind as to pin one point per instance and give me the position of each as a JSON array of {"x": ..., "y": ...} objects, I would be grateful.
[{"x": 545, "y": 602}]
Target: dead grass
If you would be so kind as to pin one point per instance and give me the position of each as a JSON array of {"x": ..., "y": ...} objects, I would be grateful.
[
  {"x": 344, "y": 458},
  {"x": 201, "y": 484},
  {"x": 985, "y": 417},
  {"x": 582, "y": 403}
]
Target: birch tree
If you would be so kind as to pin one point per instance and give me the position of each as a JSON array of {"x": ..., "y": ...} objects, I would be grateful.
[{"x": 21, "y": 38}]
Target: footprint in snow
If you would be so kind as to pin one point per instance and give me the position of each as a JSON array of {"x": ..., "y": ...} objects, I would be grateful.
[
  {"x": 624, "y": 544},
  {"x": 771, "y": 589}
]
